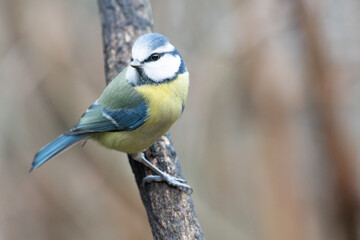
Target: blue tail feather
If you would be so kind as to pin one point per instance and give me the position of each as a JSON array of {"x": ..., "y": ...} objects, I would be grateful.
[{"x": 55, "y": 147}]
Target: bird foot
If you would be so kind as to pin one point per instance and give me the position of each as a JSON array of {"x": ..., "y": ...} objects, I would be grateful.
[{"x": 172, "y": 181}]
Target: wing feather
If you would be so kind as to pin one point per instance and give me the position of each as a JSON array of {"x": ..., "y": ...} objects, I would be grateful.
[{"x": 119, "y": 108}]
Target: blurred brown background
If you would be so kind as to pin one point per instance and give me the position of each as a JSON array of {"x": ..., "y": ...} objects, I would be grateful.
[{"x": 269, "y": 139}]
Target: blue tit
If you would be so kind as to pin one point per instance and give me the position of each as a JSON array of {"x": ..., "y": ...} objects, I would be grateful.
[{"x": 138, "y": 106}]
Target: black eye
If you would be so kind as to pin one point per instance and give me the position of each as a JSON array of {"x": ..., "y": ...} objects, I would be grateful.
[
  {"x": 155, "y": 57},
  {"x": 131, "y": 59}
]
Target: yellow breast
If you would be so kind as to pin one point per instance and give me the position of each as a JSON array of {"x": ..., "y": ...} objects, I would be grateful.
[
  {"x": 165, "y": 101},
  {"x": 165, "y": 104}
]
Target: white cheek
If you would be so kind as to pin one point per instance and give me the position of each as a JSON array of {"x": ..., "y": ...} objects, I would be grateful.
[
  {"x": 132, "y": 75},
  {"x": 164, "y": 68}
]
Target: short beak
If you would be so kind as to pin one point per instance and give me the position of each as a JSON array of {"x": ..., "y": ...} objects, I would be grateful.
[{"x": 136, "y": 64}]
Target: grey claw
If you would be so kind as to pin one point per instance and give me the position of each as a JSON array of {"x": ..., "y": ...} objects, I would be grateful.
[
  {"x": 162, "y": 176},
  {"x": 151, "y": 178},
  {"x": 172, "y": 181},
  {"x": 180, "y": 180}
]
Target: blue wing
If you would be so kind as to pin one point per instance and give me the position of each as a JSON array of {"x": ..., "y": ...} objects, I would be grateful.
[{"x": 101, "y": 119}]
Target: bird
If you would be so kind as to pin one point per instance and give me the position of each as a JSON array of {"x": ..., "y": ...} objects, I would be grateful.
[{"x": 135, "y": 109}]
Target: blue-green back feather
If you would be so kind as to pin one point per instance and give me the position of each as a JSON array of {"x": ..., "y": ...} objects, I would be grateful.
[{"x": 119, "y": 108}]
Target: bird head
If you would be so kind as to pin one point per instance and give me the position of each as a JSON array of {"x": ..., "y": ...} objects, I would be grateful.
[{"x": 154, "y": 60}]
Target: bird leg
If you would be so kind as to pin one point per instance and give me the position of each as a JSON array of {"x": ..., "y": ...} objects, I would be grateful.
[{"x": 161, "y": 176}]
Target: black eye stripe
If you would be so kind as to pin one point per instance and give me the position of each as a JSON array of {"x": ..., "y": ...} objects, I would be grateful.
[
  {"x": 150, "y": 58},
  {"x": 160, "y": 55}
]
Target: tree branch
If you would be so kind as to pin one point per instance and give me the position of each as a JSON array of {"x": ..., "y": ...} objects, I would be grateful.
[{"x": 170, "y": 211}]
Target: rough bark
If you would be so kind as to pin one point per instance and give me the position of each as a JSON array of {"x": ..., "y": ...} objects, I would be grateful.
[{"x": 170, "y": 211}]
